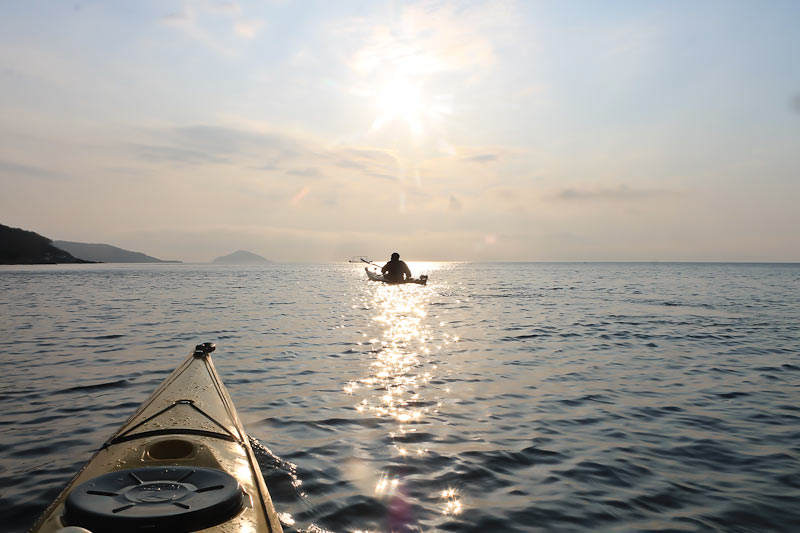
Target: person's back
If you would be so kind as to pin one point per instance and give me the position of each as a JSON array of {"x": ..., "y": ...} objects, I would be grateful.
[{"x": 396, "y": 270}]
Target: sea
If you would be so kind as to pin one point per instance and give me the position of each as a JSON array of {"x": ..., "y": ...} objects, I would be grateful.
[{"x": 499, "y": 397}]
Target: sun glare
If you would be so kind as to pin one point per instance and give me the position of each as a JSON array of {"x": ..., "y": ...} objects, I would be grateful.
[{"x": 400, "y": 99}]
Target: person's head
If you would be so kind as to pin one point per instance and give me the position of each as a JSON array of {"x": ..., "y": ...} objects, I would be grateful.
[{"x": 395, "y": 257}]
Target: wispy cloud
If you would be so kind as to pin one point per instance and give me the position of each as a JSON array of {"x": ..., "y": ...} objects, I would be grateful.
[
  {"x": 347, "y": 163},
  {"x": 507, "y": 199},
  {"x": 621, "y": 192},
  {"x": 483, "y": 158},
  {"x": 228, "y": 140},
  {"x": 795, "y": 103},
  {"x": 248, "y": 29},
  {"x": 176, "y": 155},
  {"x": 201, "y": 22},
  {"x": 202, "y": 144},
  {"x": 264, "y": 152},
  {"x": 228, "y": 7},
  {"x": 309, "y": 172},
  {"x": 184, "y": 16},
  {"x": 372, "y": 155},
  {"x": 429, "y": 38},
  {"x": 385, "y": 177},
  {"x": 483, "y": 154},
  {"x": 15, "y": 169}
]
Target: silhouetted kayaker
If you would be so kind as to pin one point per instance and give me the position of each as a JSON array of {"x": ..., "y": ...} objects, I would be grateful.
[{"x": 395, "y": 270}]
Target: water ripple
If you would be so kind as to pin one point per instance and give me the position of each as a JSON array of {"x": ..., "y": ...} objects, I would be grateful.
[{"x": 524, "y": 397}]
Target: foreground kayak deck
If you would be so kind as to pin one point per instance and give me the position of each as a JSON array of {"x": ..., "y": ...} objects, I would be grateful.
[
  {"x": 182, "y": 462},
  {"x": 422, "y": 280}
]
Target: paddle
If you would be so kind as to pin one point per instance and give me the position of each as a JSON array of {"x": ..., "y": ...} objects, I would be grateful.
[{"x": 370, "y": 263}]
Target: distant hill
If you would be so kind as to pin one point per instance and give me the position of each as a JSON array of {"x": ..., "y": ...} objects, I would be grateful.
[
  {"x": 106, "y": 253},
  {"x": 241, "y": 257},
  {"x": 22, "y": 247}
]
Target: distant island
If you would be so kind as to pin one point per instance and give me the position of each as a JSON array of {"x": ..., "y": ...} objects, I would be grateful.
[
  {"x": 106, "y": 253},
  {"x": 22, "y": 247},
  {"x": 241, "y": 257}
]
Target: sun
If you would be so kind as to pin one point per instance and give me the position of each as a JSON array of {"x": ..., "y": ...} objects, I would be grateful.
[{"x": 401, "y": 99}]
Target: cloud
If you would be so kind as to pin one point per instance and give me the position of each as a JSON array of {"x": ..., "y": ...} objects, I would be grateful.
[
  {"x": 161, "y": 154},
  {"x": 372, "y": 155},
  {"x": 485, "y": 153},
  {"x": 506, "y": 199},
  {"x": 206, "y": 239},
  {"x": 309, "y": 172},
  {"x": 364, "y": 161},
  {"x": 201, "y": 22},
  {"x": 231, "y": 8},
  {"x": 266, "y": 167},
  {"x": 203, "y": 144},
  {"x": 414, "y": 63},
  {"x": 367, "y": 162},
  {"x": 184, "y": 16},
  {"x": 429, "y": 38},
  {"x": 505, "y": 194},
  {"x": 795, "y": 104},
  {"x": 622, "y": 192},
  {"x": 230, "y": 141},
  {"x": 346, "y": 163},
  {"x": 387, "y": 177},
  {"x": 251, "y": 151},
  {"x": 248, "y": 29},
  {"x": 16, "y": 169},
  {"x": 483, "y": 158}
]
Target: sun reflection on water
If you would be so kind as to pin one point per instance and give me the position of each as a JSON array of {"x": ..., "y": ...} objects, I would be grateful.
[
  {"x": 405, "y": 359},
  {"x": 452, "y": 504},
  {"x": 400, "y": 365}
]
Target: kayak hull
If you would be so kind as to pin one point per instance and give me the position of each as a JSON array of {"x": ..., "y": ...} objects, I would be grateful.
[
  {"x": 189, "y": 421},
  {"x": 372, "y": 276}
]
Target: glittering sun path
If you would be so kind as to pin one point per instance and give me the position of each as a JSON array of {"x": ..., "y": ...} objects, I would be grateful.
[{"x": 402, "y": 383}]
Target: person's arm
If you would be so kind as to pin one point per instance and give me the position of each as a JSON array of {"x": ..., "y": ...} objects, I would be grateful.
[
  {"x": 406, "y": 270},
  {"x": 385, "y": 269}
]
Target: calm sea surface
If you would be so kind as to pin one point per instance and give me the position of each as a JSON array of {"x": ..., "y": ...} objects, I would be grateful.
[{"x": 500, "y": 397}]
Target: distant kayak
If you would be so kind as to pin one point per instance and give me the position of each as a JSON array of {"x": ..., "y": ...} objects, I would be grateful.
[
  {"x": 181, "y": 463},
  {"x": 422, "y": 280}
]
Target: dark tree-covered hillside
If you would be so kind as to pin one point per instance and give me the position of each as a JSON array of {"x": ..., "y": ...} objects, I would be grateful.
[{"x": 22, "y": 247}]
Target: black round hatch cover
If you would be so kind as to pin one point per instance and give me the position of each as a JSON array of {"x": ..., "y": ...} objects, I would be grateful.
[{"x": 175, "y": 498}]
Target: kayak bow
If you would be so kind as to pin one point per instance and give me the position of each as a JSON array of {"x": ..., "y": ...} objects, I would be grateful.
[{"x": 182, "y": 462}]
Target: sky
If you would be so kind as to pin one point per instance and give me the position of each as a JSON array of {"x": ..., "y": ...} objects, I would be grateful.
[{"x": 453, "y": 131}]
